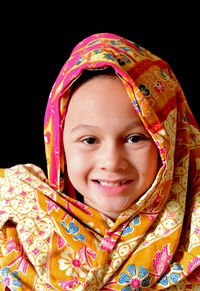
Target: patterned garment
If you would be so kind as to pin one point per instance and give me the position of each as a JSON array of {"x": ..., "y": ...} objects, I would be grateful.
[{"x": 51, "y": 241}]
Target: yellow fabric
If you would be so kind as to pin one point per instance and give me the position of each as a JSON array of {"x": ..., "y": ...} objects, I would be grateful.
[{"x": 51, "y": 241}]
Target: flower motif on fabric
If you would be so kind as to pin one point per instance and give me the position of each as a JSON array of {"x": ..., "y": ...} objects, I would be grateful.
[
  {"x": 144, "y": 90},
  {"x": 73, "y": 264},
  {"x": 136, "y": 220},
  {"x": 123, "y": 60},
  {"x": 51, "y": 205},
  {"x": 175, "y": 275},
  {"x": 11, "y": 280},
  {"x": 107, "y": 244},
  {"x": 12, "y": 246},
  {"x": 115, "y": 42},
  {"x": 126, "y": 49},
  {"x": 135, "y": 279},
  {"x": 161, "y": 260},
  {"x": 72, "y": 228},
  {"x": 108, "y": 56},
  {"x": 193, "y": 264},
  {"x": 159, "y": 87},
  {"x": 68, "y": 285},
  {"x": 129, "y": 228}
]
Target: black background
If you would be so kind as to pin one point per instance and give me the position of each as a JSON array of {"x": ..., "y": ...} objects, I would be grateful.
[{"x": 37, "y": 41}]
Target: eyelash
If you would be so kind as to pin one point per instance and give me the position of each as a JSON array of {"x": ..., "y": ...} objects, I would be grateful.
[
  {"x": 137, "y": 137},
  {"x": 88, "y": 138}
]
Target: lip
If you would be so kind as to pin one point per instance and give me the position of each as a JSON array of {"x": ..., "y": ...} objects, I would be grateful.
[
  {"x": 113, "y": 181},
  {"x": 113, "y": 190}
]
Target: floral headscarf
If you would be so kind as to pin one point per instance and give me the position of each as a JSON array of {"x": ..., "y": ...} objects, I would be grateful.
[{"x": 153, "y": 245}]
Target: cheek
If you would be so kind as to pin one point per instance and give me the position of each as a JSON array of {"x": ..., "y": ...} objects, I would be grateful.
[
  {"x": 77, "y": 167},
  {"x": 148, "y": 162}
]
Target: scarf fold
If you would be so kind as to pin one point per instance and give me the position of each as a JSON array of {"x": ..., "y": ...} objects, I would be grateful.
[{"x": 51, "y": 241}]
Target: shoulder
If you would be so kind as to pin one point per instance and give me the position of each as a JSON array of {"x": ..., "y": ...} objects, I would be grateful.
[
  {"x": 23, "y": 168},
  {"x": 22, "y": 172}
]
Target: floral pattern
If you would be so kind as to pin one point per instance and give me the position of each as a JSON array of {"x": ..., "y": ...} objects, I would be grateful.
[
  {"x": 129, "y": 228},
  {"x": 72, "y": 264},
  {"x": 175, "y": 275},
  {"x": 135, "y": 279},
  {"x": 72, "y": 228},
  {"x": 10, "y": 280},
  {"x": 159, "y": 86},
  {"x": 161, "y": 260},
  {"x": 144, "y": 90}
]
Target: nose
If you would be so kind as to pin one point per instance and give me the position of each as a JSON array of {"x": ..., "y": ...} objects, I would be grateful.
[{"x": 112, "y": 158}]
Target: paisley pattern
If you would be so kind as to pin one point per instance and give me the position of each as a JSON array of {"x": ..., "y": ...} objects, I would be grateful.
[{"x": 51, "y": 241}]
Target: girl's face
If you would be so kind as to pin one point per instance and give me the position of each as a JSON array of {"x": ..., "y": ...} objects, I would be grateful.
[{"x": 111, "y": 158}]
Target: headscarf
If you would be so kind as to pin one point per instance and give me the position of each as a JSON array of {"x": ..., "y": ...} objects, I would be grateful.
[{"x": 51, "y": 241}]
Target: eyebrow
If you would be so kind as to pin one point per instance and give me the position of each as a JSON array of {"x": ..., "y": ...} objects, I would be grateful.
[{"x": 131, "y": 125}]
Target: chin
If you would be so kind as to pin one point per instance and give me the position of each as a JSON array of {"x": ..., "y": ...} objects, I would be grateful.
[{"x": 114, "y": 209}]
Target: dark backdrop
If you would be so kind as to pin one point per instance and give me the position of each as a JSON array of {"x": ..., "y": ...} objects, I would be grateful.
[{"x": 34, "y": 51}]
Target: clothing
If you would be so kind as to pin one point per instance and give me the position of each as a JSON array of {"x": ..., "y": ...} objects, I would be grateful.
[{"x": 51, "y": 241}]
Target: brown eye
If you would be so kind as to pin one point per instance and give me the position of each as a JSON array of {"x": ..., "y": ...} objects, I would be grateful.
[
  {"x": 89, "y": 140},
  {"x": 135, "y": 138}
]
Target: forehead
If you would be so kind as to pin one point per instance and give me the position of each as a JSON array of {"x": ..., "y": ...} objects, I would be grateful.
[{"x": 101, "y": 99}]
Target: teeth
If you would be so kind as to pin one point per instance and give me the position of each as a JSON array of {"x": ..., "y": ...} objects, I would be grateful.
[{"x": 110, "y": 184}]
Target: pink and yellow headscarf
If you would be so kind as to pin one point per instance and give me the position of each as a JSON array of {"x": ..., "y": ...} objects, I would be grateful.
[{"x": 51, "y": 241}]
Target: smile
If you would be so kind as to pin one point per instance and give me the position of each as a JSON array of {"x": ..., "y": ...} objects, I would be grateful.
[
  {"x": 112, "y": 188},
  {"x": 111, "y": 184}
]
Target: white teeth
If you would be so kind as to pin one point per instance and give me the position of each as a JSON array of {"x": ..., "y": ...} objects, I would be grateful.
[{"x": 110, "y": 184}]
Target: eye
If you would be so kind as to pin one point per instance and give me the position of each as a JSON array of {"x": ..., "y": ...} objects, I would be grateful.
[
  {"x": 89, "y": 140},
  {"x": 135, "y": 138}
]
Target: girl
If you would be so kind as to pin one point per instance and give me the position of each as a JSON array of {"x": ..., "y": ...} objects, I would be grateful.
[{"x": 120, "y": 208}]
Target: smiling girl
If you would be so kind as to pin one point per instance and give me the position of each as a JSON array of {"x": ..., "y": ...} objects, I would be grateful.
[{"x": 121, "y": 205}]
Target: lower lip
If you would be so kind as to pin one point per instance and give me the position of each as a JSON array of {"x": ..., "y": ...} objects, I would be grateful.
[{"x": 113, "y": 190}]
